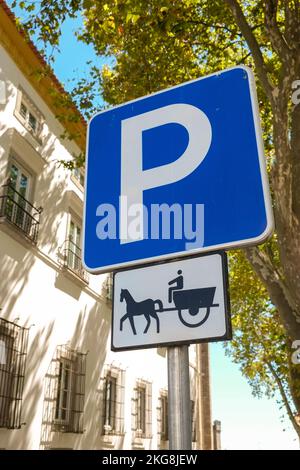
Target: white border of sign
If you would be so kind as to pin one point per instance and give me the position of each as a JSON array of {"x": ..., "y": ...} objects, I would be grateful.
[
  {"x": 162, "y": 344},
  {"x": 264, "y": 177}
]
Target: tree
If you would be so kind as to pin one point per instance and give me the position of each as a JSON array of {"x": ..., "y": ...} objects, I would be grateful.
[
  {"x": 260, "y": 345},
  {"x": 159, "y": 43}
]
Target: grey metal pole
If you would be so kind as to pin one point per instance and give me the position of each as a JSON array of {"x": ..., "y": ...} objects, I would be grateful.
[{"x": 179, "y": 402}]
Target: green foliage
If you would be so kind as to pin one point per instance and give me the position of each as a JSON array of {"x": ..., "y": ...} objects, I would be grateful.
[{"x": 259, "y": 344}]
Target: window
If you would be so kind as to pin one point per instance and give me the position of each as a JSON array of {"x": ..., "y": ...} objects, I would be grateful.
[
  {"x": 142, "y": 410},
  {"x": 28, "y": 114},
  {"x": 109, "y": 287},
  {"x": 78, "y": 175},
  {"x": 13, "y": 352},
  {"x": 72, "y": 251},
  {"x": 64, "y": 391},
  {"x": 74, "y": 255},
  {"x": 23, "y": 110},
  {"x": 113, "y": 401},
  {"x": 163, "y": 426},
  {"x": 30, "y": 120},
  {"x": 69, "y": 390},
  {"x": 110, "y": 402},
  {"x": 20, "y": 180},
  {"x": 14, "y": 202},
  {"x": 217, "y": 435}
]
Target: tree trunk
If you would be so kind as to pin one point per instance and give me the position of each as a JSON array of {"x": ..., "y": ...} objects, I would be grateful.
[{"x": 277, "y": 288}]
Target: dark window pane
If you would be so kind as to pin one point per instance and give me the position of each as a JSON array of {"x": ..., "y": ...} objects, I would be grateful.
[
  {"x": 141, "y": 409},
  {"x": 23, "y": 110},
  {"x": 110, "y": 401},
  {"x": 32, "y": 122}
]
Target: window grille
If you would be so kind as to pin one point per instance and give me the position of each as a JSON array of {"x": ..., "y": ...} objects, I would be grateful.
[
  {"x": 13, "y": 353},
  {"x": 163, "y": 427},
  {"x": 68, "y": 390},
  {"x": 142, "y": 410},
  {"x": 113, "y": 388}
]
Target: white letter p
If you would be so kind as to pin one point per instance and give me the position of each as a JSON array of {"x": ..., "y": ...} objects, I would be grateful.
[{"x": 133, "y": 179}]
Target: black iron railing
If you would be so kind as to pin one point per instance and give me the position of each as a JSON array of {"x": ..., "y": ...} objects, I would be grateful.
[
  {"x": 13, "y": 352},
  {"x": 72, "y": 260},
  {"x": 15, "y": 209}
]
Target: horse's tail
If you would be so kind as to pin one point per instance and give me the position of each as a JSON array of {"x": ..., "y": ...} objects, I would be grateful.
[{"x": 160, "y": 305}]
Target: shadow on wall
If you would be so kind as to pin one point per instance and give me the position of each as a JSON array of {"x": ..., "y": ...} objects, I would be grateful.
[
  {"x": 17, "y": 261},
  {"x": 90, "y": 336},
  {"x": 67, "y": 286},
  {"x": 6, "y": 95},
  {"x": 17, "y": 258},
  {"x": 22, "y": 438}
]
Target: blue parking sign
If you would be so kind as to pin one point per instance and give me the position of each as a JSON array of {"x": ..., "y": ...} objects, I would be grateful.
[{"x": 176, "y": 173}]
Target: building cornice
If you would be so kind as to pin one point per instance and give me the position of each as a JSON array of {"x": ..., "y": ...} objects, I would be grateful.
[{"x": 25, "y": 55}]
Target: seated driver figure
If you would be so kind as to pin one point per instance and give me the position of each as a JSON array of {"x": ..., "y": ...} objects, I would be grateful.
[{"x": 178, "y": 281}]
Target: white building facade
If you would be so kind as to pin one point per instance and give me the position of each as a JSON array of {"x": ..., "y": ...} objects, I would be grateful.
[{"x": 60, "y": 384}]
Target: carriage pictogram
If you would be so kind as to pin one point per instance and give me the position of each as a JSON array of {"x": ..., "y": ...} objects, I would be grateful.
[{"x": 189, "y": 304}]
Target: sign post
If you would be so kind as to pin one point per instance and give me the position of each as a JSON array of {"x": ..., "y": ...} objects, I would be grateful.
[{"x": 179, "y": 401}]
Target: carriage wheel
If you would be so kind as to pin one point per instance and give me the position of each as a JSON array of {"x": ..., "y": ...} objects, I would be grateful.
[
  {"x": 193, "y": 311},
  {"x": 194, "y": 325}
]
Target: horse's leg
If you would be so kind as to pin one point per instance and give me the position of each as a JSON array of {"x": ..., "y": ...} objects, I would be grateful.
[
  {"x": 154, "y": 315},
  {"x": 147, "y": 316},
  {"x": 122, "y": 320},
  {"x": 132, "y": 324}
]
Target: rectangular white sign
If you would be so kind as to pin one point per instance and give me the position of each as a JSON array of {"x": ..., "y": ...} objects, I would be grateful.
[{"x": 178, "y": 302}]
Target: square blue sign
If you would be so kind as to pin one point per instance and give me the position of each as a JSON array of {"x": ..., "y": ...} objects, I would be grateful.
[{"x": 176, "y": 173}]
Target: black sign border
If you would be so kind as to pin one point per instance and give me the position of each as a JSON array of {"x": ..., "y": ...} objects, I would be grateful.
[{"x": 228, "y": 334}]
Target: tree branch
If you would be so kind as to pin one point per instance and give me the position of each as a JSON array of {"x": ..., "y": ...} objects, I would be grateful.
[
  {"x": 292, "y": 25},
  {"x": 278, "y": 291},
  {"x": 242, "y": 60},
  {"x": 254, "y": 47},
  {"x": 278, "y": 42},
  {"x": 284, "y": 398}
]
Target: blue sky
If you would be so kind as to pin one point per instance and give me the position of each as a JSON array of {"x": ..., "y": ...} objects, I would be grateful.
[{"x": 247, "y": 422}]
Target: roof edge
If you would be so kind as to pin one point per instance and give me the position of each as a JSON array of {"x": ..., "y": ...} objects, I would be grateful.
[{"x": 27, "y": 57}]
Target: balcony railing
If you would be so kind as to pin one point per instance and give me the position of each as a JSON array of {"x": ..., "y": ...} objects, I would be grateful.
[
  {"x": 72, "y": 260},
  {"x": 15, "y": 209}
]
